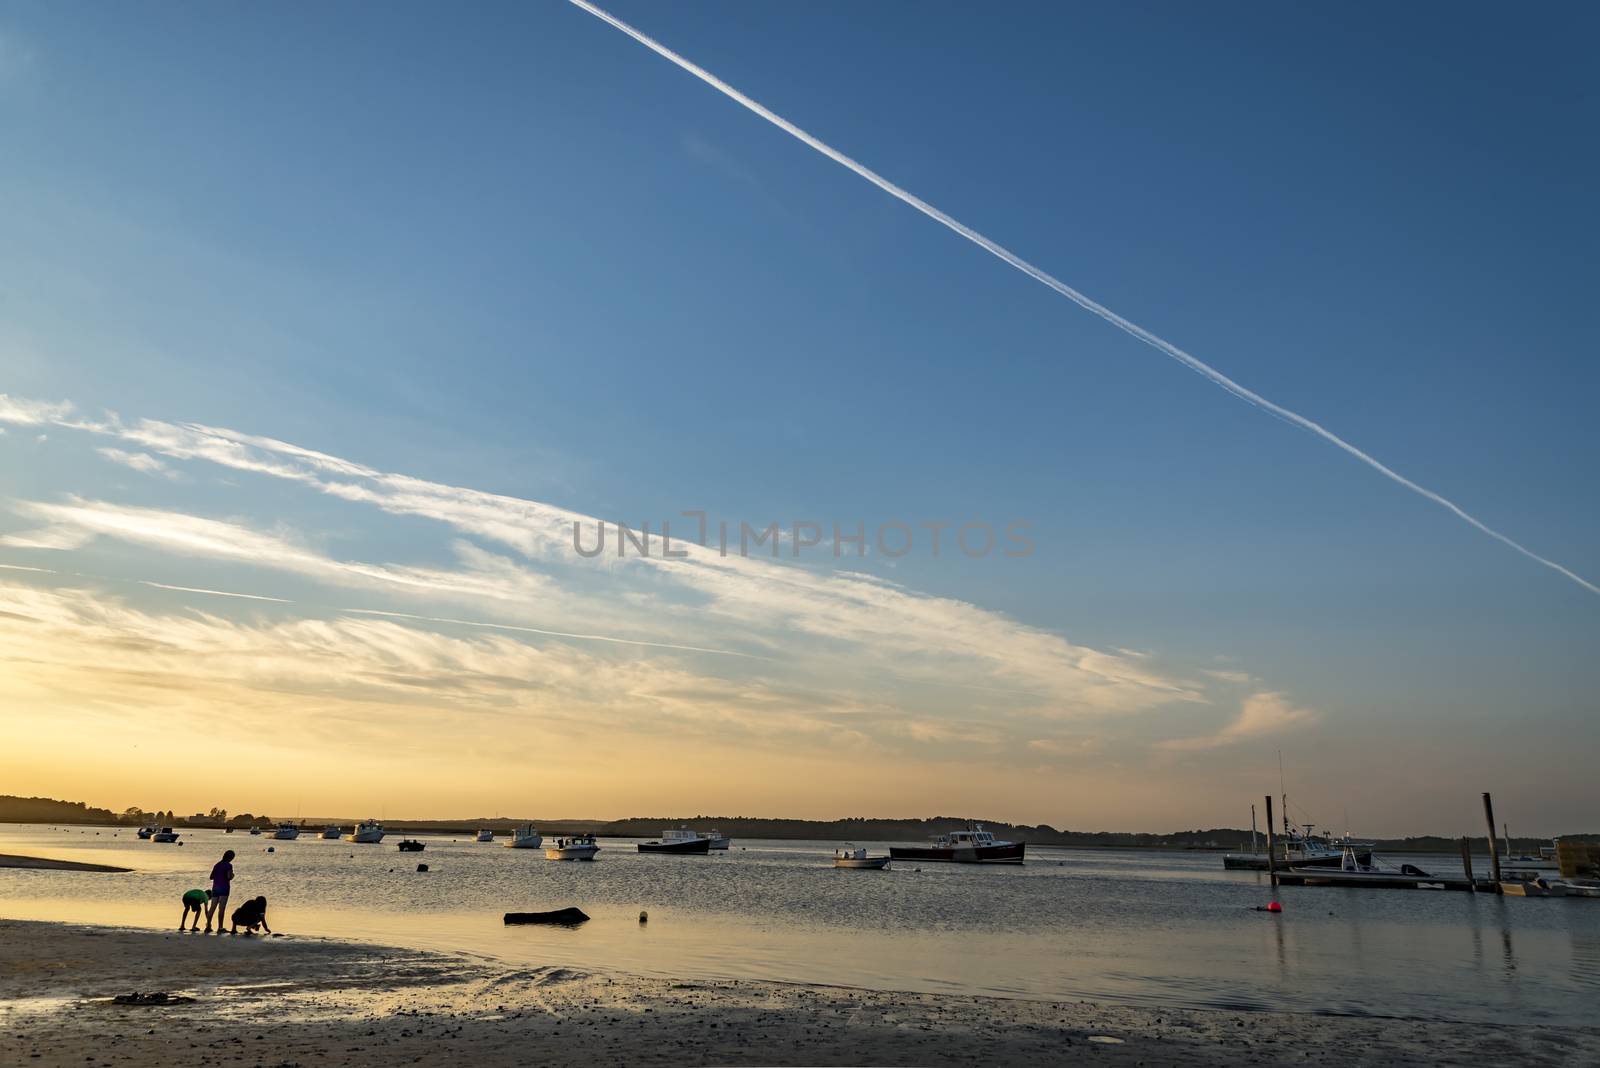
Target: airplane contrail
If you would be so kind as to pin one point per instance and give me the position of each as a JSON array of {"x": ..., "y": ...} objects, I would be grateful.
[{"x": 1088, "y": 304}]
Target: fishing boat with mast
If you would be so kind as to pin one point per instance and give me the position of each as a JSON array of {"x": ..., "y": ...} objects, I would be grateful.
[
  {"x": 970, "y": 845},
  {"x": 1297, "y": 846}
]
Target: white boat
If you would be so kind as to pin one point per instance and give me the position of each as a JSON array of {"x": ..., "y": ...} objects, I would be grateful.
[
  {"x": 485, "y": 836},
  {"x": 852, "y": 857},
  {"x": 713, "y": 839},
  {"x": 286, "y": 832},
  {"x": 525, "y": 837},
  {"x": 165, "y": 834},
  {"x": 368, "y": 832},
  {"x": 578, "y": 847},
  {"x": 332, "y": 831}
]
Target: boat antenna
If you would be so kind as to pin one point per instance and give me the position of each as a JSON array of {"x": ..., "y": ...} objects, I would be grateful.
[{"x": 1284, "y": 793}]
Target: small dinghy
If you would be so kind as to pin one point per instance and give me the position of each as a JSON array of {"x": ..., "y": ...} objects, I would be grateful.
[{"x": 851, "y": 857}]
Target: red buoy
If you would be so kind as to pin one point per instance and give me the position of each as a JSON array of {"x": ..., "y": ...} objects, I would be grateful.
[{"x": 1274, "y": 907}]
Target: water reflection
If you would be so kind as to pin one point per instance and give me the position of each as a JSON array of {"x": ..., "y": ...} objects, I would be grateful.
[{"x": 1149, "y": 928}]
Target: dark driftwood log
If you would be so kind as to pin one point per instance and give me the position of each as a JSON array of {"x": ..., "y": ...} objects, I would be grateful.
[{"x": 559, "y": 916}]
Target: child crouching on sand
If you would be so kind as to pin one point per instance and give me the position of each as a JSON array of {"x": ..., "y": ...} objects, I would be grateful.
[
  {"x": 194, "y": 901},
  {"x": 250, "y": 915}
]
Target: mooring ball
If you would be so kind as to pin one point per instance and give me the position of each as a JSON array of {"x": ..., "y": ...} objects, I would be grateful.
[
  {"x": 1273, "y": 906},
  {"x": 422, "y": 867},
  {"x": 644, "y": 917}
]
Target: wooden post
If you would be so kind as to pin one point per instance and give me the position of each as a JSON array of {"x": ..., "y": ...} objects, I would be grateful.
[
  {"x": 1466, "y": 863},
  {"x": 1272, "y": 860},
  {"x": 1494, "y": 852}
]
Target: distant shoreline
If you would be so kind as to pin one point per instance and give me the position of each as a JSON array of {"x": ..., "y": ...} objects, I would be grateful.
[{"x": 1219, "y": 840}]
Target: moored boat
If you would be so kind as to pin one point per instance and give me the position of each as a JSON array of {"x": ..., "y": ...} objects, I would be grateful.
[
  {"x": 367, "y": 832},
  {"x": 411, "y": 845},
  {"x": 148, "y": 831},
  {"x": 484, "y": 835},
  {"x": 851, "y": 857},
  {"x": 331, "y": 831},
  {"x": 286, "y": 832},
  {"x": 525, "y": 837},
  {"x": 165, "y": 834},
  {"x": 971, "y": 845},
  {"x": 717, "y": 839},
  {"x": 1352, "y": 870},
  {"x": 578, "y": 847},
  {"x": 692, "y": 845}
]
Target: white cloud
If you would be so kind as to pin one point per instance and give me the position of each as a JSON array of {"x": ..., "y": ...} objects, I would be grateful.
[
  {"x": 848, "y": 621},
  {"x": 1262, "y": 715},
  {"x": 139, "y": 461}
]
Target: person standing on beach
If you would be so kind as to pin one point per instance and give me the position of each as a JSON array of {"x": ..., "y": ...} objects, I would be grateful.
[
  {"x": 221, "y": 879},
  {"x": 194, "y": 901}
]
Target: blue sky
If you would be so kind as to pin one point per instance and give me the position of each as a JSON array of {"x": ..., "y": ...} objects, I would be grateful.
[{"x": 511, "y": 250}]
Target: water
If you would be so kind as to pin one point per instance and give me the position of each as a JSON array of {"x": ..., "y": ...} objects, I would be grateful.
[{"x": 1153, "y": 928}]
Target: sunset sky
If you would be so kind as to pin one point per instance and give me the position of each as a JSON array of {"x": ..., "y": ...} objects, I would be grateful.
[{"x": 319, "y": 329}]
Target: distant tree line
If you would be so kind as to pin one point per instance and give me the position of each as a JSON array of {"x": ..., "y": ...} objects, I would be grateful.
[{"x": 854, "y": 828}]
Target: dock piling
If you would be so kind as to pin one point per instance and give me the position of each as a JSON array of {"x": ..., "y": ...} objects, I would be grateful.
[
  {"x": 1494, "y": 853},
  {"x": 1466, "y": 864}
]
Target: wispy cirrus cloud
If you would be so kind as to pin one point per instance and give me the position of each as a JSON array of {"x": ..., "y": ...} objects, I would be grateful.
[
  {"x": 845, "y": 618},
  {"x": 1262, "y": 715},
  {"x": 138, "y": 461}
]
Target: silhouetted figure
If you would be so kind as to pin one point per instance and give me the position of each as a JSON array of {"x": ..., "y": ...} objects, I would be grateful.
[
  {"x": 221, "y": 880},
  {"x": 250, "y": 915},
  {"x": 194, "y": 901}
]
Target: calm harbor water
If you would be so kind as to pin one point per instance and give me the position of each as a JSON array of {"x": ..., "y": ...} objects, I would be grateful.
[{"x": 1133, "y": 926}]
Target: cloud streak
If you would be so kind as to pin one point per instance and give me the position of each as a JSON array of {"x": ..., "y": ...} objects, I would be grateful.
[
  {"x": 1193, "y": 363},
  {"x": 849, "y": 621}
]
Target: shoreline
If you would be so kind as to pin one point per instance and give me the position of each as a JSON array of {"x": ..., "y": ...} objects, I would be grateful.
[
  {"x": 16, "y": 860},
  {"x": 307, "y": 1001}
]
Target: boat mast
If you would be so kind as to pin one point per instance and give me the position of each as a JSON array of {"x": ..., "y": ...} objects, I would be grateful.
[{"x": 1284, "y": 793}]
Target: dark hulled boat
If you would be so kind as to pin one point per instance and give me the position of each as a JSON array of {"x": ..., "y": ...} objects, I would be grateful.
[
  {"x": 683, "y": 845},
  {"x": 411, "y": 845},
  {"x": 974, "y": 845}
]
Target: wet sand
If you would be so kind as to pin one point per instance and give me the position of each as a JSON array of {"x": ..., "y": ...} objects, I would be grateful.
[
  {"x": 291, "y": 1001},
  {"x": 13, "y": 860}
]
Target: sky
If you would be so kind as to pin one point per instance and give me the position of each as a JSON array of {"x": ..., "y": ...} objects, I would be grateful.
[{"x": 320, "y": 329}]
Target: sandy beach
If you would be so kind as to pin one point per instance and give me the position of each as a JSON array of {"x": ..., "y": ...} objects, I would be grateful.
[{"x": 294, "y": 1001}]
